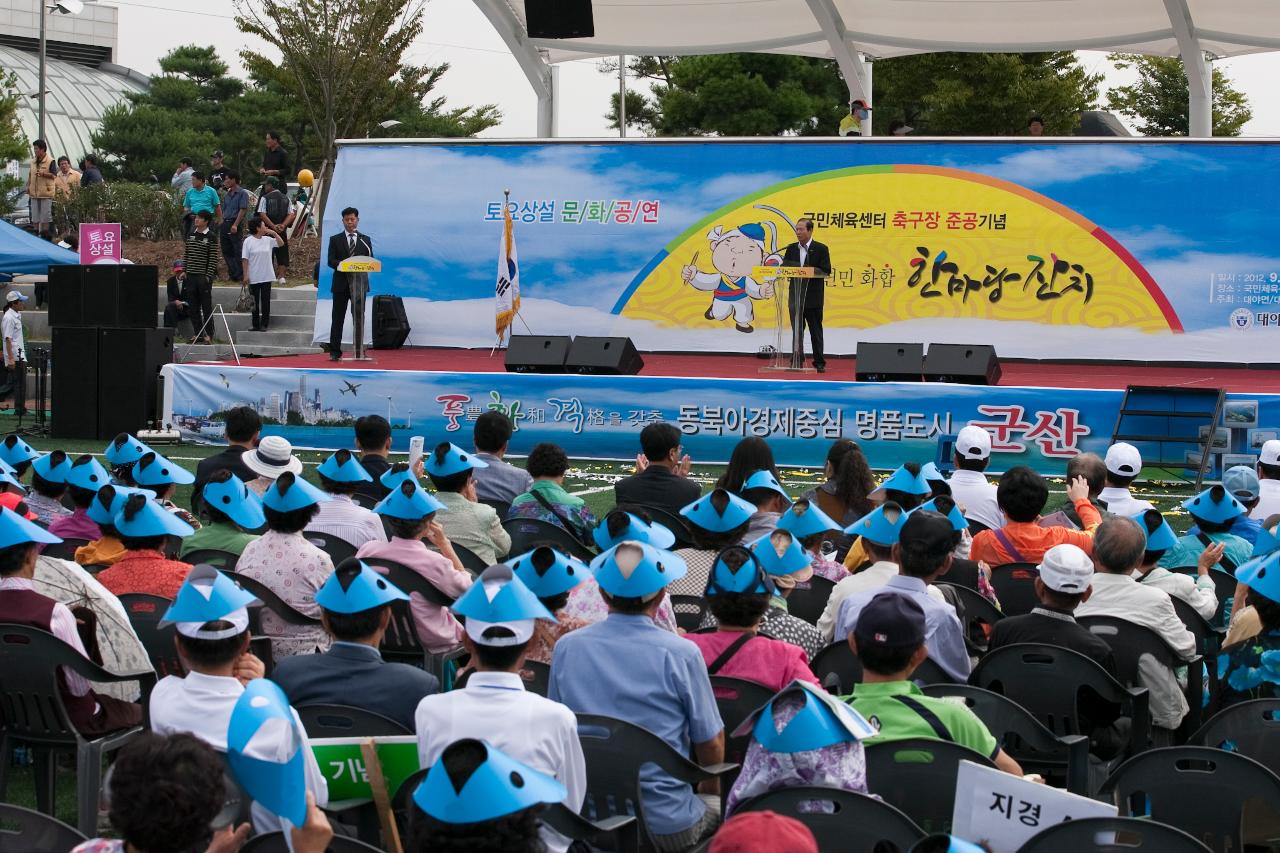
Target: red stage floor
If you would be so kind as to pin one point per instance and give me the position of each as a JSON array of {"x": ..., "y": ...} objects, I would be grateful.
[{"x": 1080, "y": 375}]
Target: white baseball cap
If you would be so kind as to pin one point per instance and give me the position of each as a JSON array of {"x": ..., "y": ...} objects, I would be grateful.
[
  {"x": 1124, "y": 459},
  {"x": 1066, "y": 568},
  {"x": 1270, "y": 453},
  {"x": 14, "y": 296},
  {"x": 973, "y": 442}
]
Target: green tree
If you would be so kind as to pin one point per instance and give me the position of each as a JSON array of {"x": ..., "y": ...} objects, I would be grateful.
[
  {"x": 1157, "y": 102},
  {"x": 13, "y": 142},
  {"x": 941, "y": 94}
]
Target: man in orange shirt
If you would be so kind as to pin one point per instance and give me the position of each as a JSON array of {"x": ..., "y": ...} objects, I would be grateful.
[{"x": 1022, "y": 494}]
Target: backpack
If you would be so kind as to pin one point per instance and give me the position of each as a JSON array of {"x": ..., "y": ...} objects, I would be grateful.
[{"x": 277, "y": 207}]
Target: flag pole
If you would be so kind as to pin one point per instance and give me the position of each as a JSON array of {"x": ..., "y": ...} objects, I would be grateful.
[{"x": 506, "y": 215}]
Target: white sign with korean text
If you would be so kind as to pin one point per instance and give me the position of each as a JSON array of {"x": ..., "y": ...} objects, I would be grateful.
[{"x": 1002, "y": 811}]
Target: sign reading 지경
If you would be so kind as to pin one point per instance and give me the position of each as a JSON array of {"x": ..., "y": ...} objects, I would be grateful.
[{"x": 100, "y": 243}]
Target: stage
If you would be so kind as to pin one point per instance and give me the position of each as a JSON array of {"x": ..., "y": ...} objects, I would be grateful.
[{"x": 1041, "y": 414}]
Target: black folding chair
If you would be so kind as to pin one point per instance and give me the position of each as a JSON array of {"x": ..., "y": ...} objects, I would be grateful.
[
  {"x": 500, "y": 507},
  {"x": 261, "y": 643},
  {"x": 224, "y": 560},
  {"x": 1200, "y": 790},
  {"x": 528, "y": 533},
  {"x": 363, "y": 500},
  {"x": 32, "y": 712},
  {"x": 837, "y": 668},
  {"x": 274, "y": 842},
  {"x": 145, "y": 613},
  {"x": 676, "y": 524},
  {"x": 401, "y": 643},
  {"x": 1224, "y": 586},
  {"x": 1129, "y": 642},
  {"x": 1023, "y": 736},
  {"x": 736, "y": 698},
  {"x": 929, "y": 672},
  {"x": 980, "y": 615},
  {"x": 24, "y": 830},
  {"x": 808, "y": 602},
  {"x": 322, "y": 720},
  {"x": 855, "y": 822},
  {"x": 1208, "y": 643},
  {"x": 64, "y": 550},
  {"x": 539, "y": 677},
  {"x": 337, "y": 548},
  {"x": 615, "y": 750},
  {"x": 1015, "y": 586},
  {"x": 1112, "y": 835},
  {"x": 470, "y": 559},
  {"x": 1250, "y": 728},
  {"x": 690, "y": 611},
  {"x": 918, "y": 776}
]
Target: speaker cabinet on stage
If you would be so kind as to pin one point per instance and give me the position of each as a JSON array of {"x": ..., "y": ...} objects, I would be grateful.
[
  {"x": 390, "y": 323},
  {"x": 112, "y": 295},
  {"x": 967, "y": 364},
  {"x": 890, "y": 362},
  {"x": 603, "y": 355},
  {"x": 129, "y": 362},
  {"x": 74, "y": 395},
  {"x": 559, "y": 19},
  {"x": 537, "y": 353},
  {"x": 66, "y": 296}
]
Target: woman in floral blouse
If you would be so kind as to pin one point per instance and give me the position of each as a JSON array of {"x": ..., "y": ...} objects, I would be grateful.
[{"x": 547, "y": 500}]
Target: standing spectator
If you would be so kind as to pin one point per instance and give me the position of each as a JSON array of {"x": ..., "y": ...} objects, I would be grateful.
[
  {"x": 235, "y": 204},
  {"x": 257, "y": 250},
  {"x": 202, "y": 197},
  {"x": 176, "y": 308},
  {"x": 1269, "y": 485},
  {"x": 501, "y": 481},
  {"x": 200, "y": 259},
  {"x": 89, "y": 173},
  {"x": 275, "y": 160},
  {"x": 662, "y": 474},
  {"x": 218, "y": 171},
  {"x": 181, "y": 180},
  {"x": 373, "y": 440},
  {"x": 67, "y": 180},
  {"x": 1124, "y": 464},
  {"x": 243, "y": 428},
  {"x": 276, "y": 210},
  {"x": 15, "y": 350},
  {"x": 41, "y": 183},
  {"x": 547, "y": 499}
]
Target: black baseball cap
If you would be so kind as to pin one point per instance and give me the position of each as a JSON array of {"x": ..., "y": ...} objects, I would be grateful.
[{"x": 890, "y": 621}]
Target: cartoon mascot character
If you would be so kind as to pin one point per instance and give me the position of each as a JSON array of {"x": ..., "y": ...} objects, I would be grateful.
[{"x": 734, "y": 254}]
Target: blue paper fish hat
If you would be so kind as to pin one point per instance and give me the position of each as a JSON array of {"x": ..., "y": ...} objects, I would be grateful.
[
  {"x": 207, "y": 595},
  {"x": 397, "y": 474},
  {"x": 821, "y": 721},
  {"x": 124, "y": 449},
  {"x": 499, "y": 599},
  {"x": 1160, "y": 536},
  {"x": 637, "y": 570},
  {"x": 954, "y": 515},
  {"x": 619, "y": 526},
  {"x": 1262, "y": 575},
  {"x": 902, "y": 480},
  {"x": 141, "y": 517},
  {"x": 703, "y": 512},
  {"x": 110, "y": 500},
  {"x": 738, "y": 570},
  {"x": 344, "y": 467},
  {"x": 548, "y": 571},
  {"x": 232, "y": 498},
  {"x": 290, "y": 492},
  {"x": 883, "y": 525},
  {"x": 497, "y": 785},
  {"x": 52, "y": 467},
  {"x": 449, "y": 459},
  {"x": 930, "y": 472},
  {"x": 355, "y": 587},
  {"x": 16, "y": 530},
  {"x": 265, "y": 751},
  {"x": 954, "y": 844},
  {"x": 1266, "y": 543},
  {"x": 408, "y": 501},
  {"x": 154, "y": 470},
  {"x": 781, "y": 553},
  {"x": 804, "y": 519},
  {"x": 88, "y": 474},
  {"x": 15, "y": 451},
  {"x": 764, "y": 479},
  {"x": 1214, "y": 505},
  {"x": 10, "y": 478}
]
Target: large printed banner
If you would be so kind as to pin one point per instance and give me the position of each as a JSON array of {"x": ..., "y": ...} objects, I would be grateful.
[
  {"x": 1154, "y": 250},
  {"x": 601, "y": 416}
]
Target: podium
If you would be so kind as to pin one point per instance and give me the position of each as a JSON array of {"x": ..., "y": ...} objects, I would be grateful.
[
  {"x": 358, "y": 268},
  {"x": 788, "y": 343}
]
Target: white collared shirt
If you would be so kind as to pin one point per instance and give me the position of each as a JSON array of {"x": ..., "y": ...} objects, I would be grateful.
[
  {"x": 976, "y": 497},
  {"x": 495, "y": 707},
  {"x": 1199, "y": 592},
  {"x": 1121, "y": 502},
  {"x": 804, "y": 251},
  {"x": 872, "y": 577},
  {"x": 342, "y": 517},
  {"x": 1268, "y": 500}
]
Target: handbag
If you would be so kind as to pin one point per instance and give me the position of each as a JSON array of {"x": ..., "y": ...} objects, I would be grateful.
[{"x": 245, "y": 302}]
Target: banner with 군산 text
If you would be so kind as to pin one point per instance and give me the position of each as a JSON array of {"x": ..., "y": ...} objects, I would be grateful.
[{"x": 1133, "y": 248}]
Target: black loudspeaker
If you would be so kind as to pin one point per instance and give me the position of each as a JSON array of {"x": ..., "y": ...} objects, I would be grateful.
[
  {"x": 121, "y": 296},
  {"x": 537, "y": 353},
  {"x": 66, "y": 295},
  {"x": 74, "y": 396},
  {"x": 390, "y": 323},
  {"x": 890, "y": 362},
  {"x": 559, "y": 19},
  {"x": 603, "y": 355},
  {"x": 967, "y": 364},
  {"x": 129, "y": 362}
]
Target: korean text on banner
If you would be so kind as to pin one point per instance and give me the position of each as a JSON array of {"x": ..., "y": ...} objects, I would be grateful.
[
  {"x": 1003, "y": 811},
  {"x": 100, "y": 243},
  {"x": 506, "y": 291},
  {"x": 344, "y": 770}
]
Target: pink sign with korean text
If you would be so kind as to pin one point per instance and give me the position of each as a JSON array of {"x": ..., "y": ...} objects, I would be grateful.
[{"x": 100, "y": 243}]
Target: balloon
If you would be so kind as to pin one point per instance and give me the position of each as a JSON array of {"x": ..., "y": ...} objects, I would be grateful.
[{"x": 305, "y": 178}]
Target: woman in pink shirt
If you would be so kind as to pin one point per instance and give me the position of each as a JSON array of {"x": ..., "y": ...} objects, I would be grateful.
[
  {"x": 410, "y": 514},
  {"x": 738, "y": 594}
]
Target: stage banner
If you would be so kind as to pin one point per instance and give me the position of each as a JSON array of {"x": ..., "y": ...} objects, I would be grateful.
[
  {"x": 601, "y": 416},
  {"x": 1134, "y": 248}
]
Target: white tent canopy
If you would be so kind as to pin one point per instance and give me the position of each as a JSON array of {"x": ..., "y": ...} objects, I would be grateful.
[{"x": 854, "y": 31}]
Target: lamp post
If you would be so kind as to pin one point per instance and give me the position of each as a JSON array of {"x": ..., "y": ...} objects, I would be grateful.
[{"x": 66, "y": 7}]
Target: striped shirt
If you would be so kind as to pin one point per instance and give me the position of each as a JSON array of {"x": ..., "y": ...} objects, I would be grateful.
[{"x": 201, "y": 254}]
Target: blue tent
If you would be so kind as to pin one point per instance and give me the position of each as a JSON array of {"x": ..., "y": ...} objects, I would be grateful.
[{"x": 23, "y": 252}]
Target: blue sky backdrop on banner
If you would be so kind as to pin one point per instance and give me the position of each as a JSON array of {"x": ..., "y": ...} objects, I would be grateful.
[
  {"x": 601, "y": 416},
  {"x": 595, "y": 222}
]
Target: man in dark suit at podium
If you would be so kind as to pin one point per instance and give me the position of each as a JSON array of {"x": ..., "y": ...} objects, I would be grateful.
[
  {"x": 807, "y": 292},
  {"x": 345, "y": 244}
]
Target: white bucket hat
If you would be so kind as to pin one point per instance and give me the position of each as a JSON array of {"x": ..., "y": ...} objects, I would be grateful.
[{"x": 272, "y": 457}]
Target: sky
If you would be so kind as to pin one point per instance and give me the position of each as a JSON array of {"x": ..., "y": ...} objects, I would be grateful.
[{"x": 482, "y": 71}]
